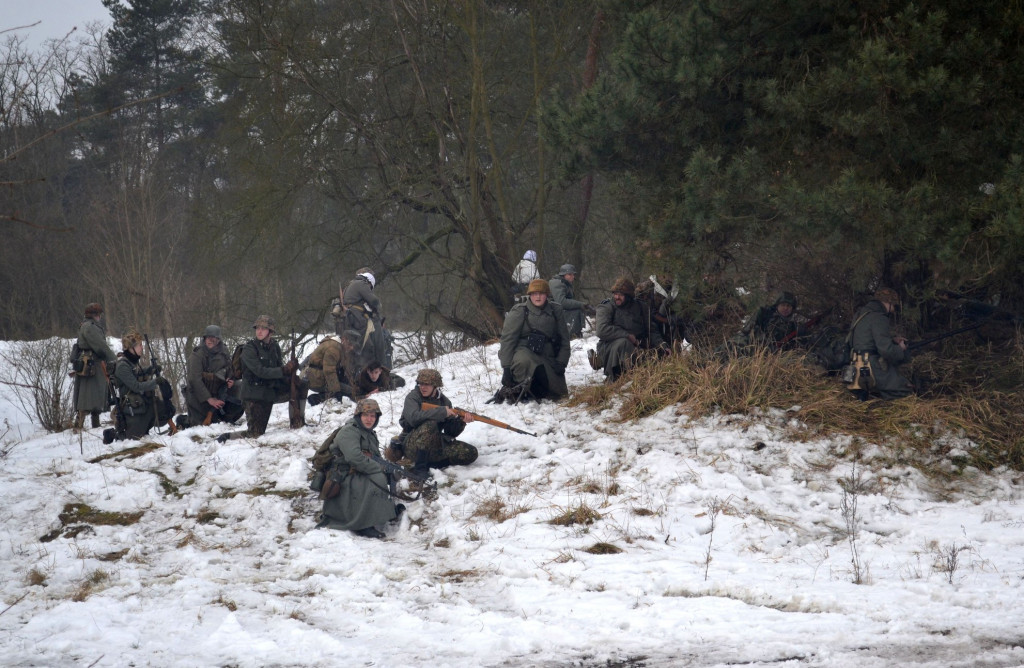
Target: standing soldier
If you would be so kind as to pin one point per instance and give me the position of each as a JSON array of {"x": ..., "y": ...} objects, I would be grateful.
[
  {"x": 362, "y": 502},
  {"x": 211, "y": 394},
  {"x": 534, "y": 348},
  {"x": 428, "y": 436},
  {"x": 265, "y": 379},
  {"x": 624, "y": 326},
  {"x": 563, "y": 295},
  {"x": 363, "y": 315},
  {"x": 525, "y": 272},
  {"x": 877, "y": 350},
  {"x": 96, "y": 361},
  {"x": 135, "y": 380}
]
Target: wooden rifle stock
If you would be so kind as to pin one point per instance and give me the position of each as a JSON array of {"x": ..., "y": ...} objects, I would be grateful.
[
  {"x": 295, "y": 418},
  {"x": 480, "y": 418},
  {"x": 808, "y": 326}
]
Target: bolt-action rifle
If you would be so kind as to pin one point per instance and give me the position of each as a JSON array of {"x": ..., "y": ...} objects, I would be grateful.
[
  {"x": 163, "y": 405},
  {"x": 295, "y": 417},
  {"x": 480, "y": 418},
  {"x": 396, "y": 472},
  {"x": 945, "y": 335},
  {"x": 806, "y": 327}
]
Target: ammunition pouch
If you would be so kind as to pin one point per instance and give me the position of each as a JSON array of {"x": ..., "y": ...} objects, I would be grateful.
[
  {"x": 85, "y": 365},
  {"x": 332, "y": 483},
  {"x": 317, "y": 483},
  {"x": 132, "y": 403},
  {"x": 860, "y": 369},
  {"x": 536, "y": 342}
]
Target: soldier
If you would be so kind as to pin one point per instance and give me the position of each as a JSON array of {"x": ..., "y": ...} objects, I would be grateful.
[
  {"x": 777, "y": 325},
  {"x": 96, "y": 360},
  {"x": 874, "y": 344},
  {"x": 363, "y": 502},
  {"x": 624, "y": 326},
  {"x": 363, "y": 316},
  {"x": 375, "y": 378},
  {"x": 562, "y": 294},
  {"x": 328, "y": 370},
  {"x": 659, "y": 299},
  {"x": 428, "y": 436},
  {"x": 534, "y": 348},
  {"x": 265, "y": 380},
  {"x": 135, "y": 381},
  {"x": 525, "y": 272},
  {"x": 211, "y": 394}
]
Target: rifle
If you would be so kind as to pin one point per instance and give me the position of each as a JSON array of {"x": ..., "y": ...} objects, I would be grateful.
[
  {"x": 480, "y": 418},
  {"x": 808, "y": 326},
  {"x": 396, "y": 472},
  {"x": 158, "y": 395},
  {"x": 295, "y": 417},
  {"x": 945, "y": 335}
]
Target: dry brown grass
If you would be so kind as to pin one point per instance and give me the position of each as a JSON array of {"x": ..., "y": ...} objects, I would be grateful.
[
  {"x": 497, "y": 510},
  {"x": 603, "y": 548},
  {"x": 576, "y": 514},
  {"x": 973, "y": 395}
]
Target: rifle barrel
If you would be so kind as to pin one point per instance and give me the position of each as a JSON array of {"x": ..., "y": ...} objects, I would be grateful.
[{"x": 481, "y": 418}]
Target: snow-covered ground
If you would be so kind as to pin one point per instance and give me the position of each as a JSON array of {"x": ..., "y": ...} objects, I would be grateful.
[{"x": 718, "y": 543}]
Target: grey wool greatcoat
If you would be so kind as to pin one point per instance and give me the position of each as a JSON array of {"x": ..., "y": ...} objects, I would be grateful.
[
  {"x": 215, "y": 361},
  {"x": 363, "y": 501},
  {"x": 261, "y": 371},
  {"x": 563, "y": 295},
  {"x": 516, "y": 354},
  {"x": 614, "y": 324},
  {"x": 871, "y": 335},
  {"x": 137, "y": 383},
  {"x": 91, "y": 393}
]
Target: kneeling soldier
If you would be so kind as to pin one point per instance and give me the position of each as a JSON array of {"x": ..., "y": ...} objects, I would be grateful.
[{"x": 428, "y": 436}]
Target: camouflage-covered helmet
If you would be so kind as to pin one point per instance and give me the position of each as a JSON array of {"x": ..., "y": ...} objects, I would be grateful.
[
  {"x": 211, "y": 330},
  {"x": 264, "y": 321},
  {"x": 643, "y": 289},
  {"x": 624, "y": 286},
  {"x": 367, "y": 406},
  {"x": 887, "y": 296},
  {"x": 429, "y": 377},
  {"x": 786, "y": 298},
  {"x": 567, "y": 269},
  {"x": 131, "y": 339},
  {"x": 92, "y": 310},
  {"x": 538, "y": 285}
]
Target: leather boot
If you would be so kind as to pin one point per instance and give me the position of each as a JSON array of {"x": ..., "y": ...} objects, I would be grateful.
[{"x": 95, "y": 415}]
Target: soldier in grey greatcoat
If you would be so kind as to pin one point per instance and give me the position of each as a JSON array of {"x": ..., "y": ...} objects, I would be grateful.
[
  {"x": 363, "y": 503},
  {"x": 91, "y": 392},
  {"x": 266, "y": 380},
  {"x": 364, "y": 317},
  {"x": 534, "y": 348},
  {"x": 563, "y": 295},
  {"x": 428, "y": 438},
  {"x": 211, "y": 394},
  {"x": 624, "y": 325},
  {"x": 871, "y": 337}
]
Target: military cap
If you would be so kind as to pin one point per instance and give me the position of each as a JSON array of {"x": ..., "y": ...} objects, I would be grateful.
[
  {"x": 786, "y": 298},
  {"x": 367, "y": 406},
  {"x": 264, "y": 321},
  {"x": 538, "y": 285},
  {"x": 429, "y": 377},
  {"x": 887, "y": 296},
  {"x": 566, "y": 269},
  {"x": 624, "y": 286},
  {"x": 131, "y": 339},
  {"x": 92, "y": 310},
  {"x": 212, "y": 330}
]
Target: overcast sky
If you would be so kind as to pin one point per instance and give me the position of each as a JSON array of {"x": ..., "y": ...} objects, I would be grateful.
[{"x": 56, "y": 17}]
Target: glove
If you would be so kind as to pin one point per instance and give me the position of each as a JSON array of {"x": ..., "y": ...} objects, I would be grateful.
[
  {"x": 289, "y": 368},
  {"x": 157, "y": 369},
  {"x": 314, "y": 400},
  {"x": 589, "y": 310},
  {"x": 223, "y": 438},
  {"x": 506, "y": 377}
]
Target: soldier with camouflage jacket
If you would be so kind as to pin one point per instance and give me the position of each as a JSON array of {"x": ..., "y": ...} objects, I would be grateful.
[
  {"x": 91, "y": 392},
  {"x": 773, "y": 324},
  {"x": 428, "y": 438},
  {"x": 534, "y": 347},
  {"x": 624, "y": 326},
  {"x": 327, "y": 371}
]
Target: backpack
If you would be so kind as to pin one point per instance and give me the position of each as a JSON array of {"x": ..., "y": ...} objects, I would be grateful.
[
  {"x": 236, "y": 361},
  {"x": 321, "y": 461}
]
